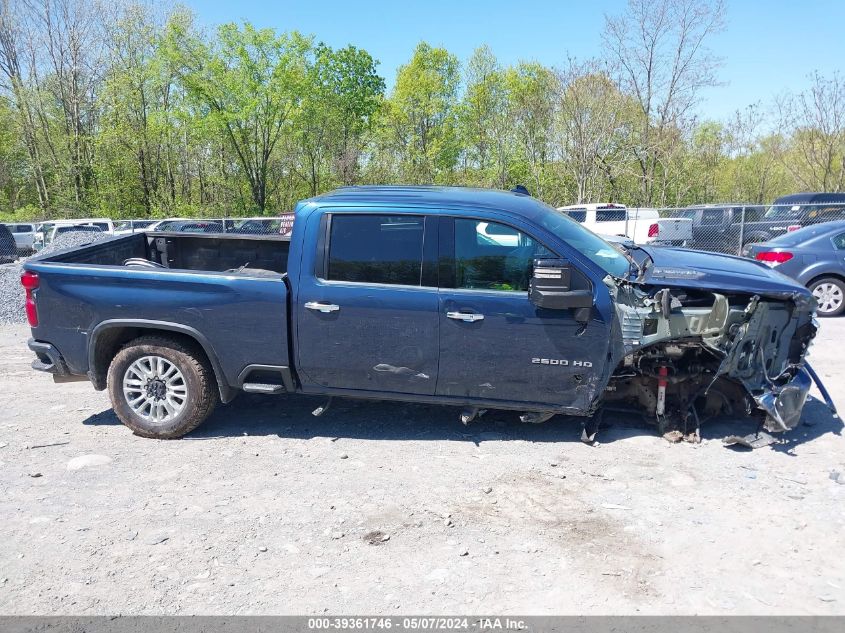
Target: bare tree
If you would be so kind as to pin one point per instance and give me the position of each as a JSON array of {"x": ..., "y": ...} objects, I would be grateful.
[
  {"x": 14, "y": 83},
  {"x": 589, "y": 127},
  {"x": 71, "y": 38},
  {"x": 816, "y": 119},
  {"x": 658, "y": 50}
]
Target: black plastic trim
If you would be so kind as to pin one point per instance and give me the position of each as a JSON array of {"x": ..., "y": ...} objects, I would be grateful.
[
  {"x": 282, "y": 370},
  {"x": 226, "y": 391}
]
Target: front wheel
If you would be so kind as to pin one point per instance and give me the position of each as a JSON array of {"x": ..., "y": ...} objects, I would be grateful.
[
  {"x": 161, "y": 388},
  {"x": 830, "y": 295}
]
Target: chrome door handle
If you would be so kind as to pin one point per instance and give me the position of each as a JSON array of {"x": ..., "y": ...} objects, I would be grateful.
[
  {"x": 468, "y": 317},
  {"x": 322, "y": 307}
]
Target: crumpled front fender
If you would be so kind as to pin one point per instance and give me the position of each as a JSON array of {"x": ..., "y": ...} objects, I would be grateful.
[{"x": 784, "y": 404}]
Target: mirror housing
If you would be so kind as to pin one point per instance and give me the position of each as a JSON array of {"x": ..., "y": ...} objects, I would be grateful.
[{"x": 551, "y": 288}]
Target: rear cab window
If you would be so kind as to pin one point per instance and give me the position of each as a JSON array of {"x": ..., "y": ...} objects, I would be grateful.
[{"x": 611, "y": 215}]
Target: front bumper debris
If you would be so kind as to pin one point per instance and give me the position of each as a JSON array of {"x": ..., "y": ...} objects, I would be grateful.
[{"x": 784, "y": 404}]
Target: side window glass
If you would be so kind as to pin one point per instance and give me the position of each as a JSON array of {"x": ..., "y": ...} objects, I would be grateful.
[
  {"x": 492, "y": 256},
  {"x": 378, "y": 249},
  {"x": 711, "y": 217},
  {"x": 839, "y": 242}
]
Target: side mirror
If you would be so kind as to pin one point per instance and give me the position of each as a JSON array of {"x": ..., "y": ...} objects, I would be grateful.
[{"x": 550, "y": 288}]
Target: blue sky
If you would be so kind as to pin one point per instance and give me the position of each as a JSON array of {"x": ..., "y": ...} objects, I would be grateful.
[{"x": 767, "y": 48}]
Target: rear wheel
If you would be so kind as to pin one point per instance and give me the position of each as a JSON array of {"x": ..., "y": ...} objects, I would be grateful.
[
  {"x": 161, "y": 388},
  {"x": 830, "y": 295}
]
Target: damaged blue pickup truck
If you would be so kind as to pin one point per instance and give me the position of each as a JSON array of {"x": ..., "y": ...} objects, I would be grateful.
[{"x": 476, "y": 298}]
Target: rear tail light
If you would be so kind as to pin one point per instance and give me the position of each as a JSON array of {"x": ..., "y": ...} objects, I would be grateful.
[
  {"x": 793, "y": 227},
  {"x": 772, "y": 258},
  {"x": 654, "y": 230},
  {"x": 29, "y": 281}
]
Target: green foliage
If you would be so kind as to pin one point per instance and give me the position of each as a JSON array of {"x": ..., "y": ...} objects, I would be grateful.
[
  {"x": 422, "y": 115},
  {"x": 166, "y": 120}
]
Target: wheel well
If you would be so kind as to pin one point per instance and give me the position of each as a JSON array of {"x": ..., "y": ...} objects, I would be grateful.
[
  {"x": 109, "y": 342},
  {"x": 817, "y": 277}
]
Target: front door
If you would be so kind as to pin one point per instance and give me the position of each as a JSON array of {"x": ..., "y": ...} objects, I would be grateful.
[
  {"x": 365, "y": 320},
  {"x": 494, "y": 343}
]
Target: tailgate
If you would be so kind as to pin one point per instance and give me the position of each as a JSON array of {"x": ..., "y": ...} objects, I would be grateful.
[{"x": 675, "y": 229}]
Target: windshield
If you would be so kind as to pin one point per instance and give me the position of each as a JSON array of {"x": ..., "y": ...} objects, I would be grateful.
[
  {"x": 586, "y": 242},
  {"x": 783, "y": 212}
]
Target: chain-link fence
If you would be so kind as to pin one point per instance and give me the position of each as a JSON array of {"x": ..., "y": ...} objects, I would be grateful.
[
  {"x": 20, "y": 239},
  {"x": 722, "y": 228}
]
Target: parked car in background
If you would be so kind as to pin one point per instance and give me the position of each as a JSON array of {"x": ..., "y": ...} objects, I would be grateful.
[
  {"x": 62, "y": 229},
  {"x": 253, "y": 226},
  {"x": 125, "y": 227},
  {"x": 8, "y": 247},
  {"x": 643, "y": 226},
  {"x": 187, "y": 225},
  {"x": 47, "y": 231},
  {"x": 195, "y": 226},
  {"x": 790, "y": 213},
  {"x": 164, "y": 225},
  {"x": 813, "y": 256},
  {"x": 724, "y": 227},
  {"x": 24, "y": 234}
]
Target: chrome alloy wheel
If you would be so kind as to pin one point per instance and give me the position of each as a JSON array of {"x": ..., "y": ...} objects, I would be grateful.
[
  {"x": 829, "y": 297},
  {"x": 155, "y": 389}
]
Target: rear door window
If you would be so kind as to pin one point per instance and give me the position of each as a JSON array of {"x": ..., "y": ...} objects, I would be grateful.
[
  {"x": 579, "y": 215},
  {"x": 376, "y": 249}
]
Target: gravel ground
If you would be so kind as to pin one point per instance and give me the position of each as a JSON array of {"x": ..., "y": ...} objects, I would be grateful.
[
  {"x": 11, "y": 293},
  {"x": 393, "y": 508}
]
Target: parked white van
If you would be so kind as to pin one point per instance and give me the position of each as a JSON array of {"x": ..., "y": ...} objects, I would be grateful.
[{"x": 642, "y": 225}]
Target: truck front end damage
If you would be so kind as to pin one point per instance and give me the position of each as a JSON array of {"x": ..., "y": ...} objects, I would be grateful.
[{"x": 688, "y": 354}]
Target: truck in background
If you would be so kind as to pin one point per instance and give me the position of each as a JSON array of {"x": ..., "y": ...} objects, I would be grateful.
[{"x": 642, "y": 225}]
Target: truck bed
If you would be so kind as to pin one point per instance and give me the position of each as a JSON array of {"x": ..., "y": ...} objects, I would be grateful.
[
  {"x": 229, "y": 293},
  {"x": 201, "y": 252}
]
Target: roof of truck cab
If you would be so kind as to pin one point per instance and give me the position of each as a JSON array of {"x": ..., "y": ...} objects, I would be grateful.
[
  {"x": 435, "y": 197},
  {"x": 809, "y": 197}
]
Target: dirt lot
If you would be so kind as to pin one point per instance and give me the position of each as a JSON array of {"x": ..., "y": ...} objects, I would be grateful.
[{"x": 389, "y": 508}]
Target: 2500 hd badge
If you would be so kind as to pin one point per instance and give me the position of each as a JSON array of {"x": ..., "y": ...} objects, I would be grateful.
[{"x": 561, "y": 361}]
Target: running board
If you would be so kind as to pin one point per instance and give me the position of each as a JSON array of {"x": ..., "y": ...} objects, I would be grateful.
[{"x": 257, "y": 387}]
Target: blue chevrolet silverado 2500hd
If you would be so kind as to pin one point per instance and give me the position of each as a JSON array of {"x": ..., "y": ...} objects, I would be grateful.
[{"x": 476, "y": 298}]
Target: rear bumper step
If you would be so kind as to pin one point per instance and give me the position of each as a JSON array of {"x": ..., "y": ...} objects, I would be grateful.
[{"x": 50, "y": 360}]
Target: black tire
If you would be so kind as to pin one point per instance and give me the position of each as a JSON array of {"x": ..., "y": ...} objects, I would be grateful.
[
  {"x": 834, "y": 285},
  {"x": 198, "y": 380}
]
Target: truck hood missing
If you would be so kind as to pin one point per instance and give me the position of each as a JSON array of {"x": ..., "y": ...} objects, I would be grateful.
[
  {"x": 712, "y": 334},
  {"x": 676, "y": 268}
]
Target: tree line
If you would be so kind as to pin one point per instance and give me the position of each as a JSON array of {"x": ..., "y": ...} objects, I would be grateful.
[{"x": 128, "y": 109}]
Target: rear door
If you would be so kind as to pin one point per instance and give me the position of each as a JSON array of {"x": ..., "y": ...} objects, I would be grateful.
[
  {"x": 367, "y": 316},
  {"x": 494, "y": 343}
]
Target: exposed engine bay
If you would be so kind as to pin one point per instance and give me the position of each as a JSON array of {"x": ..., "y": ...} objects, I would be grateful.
[{"x": 692, "y": 354}]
